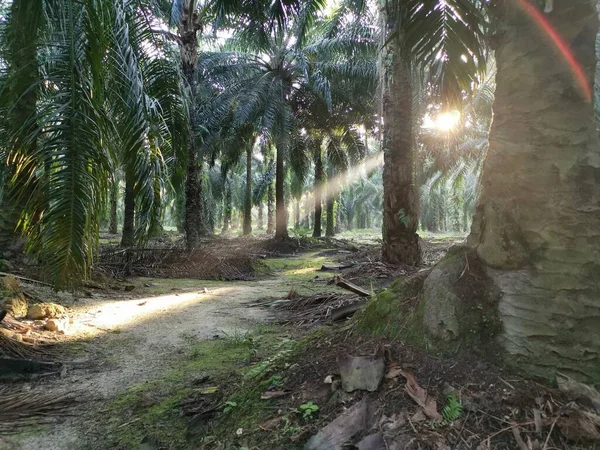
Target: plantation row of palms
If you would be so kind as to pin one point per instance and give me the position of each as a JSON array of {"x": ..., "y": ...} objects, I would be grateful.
[
  {"x": 146, "y": 95},
  {"x": 154, "y": 95}
]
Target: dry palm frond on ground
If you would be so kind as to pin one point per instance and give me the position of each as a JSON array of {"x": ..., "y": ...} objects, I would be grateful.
[
  {"x": 20, "y": 407},
  {"x": 314, "y": 309},
  {"x": 20, "y": 340}
]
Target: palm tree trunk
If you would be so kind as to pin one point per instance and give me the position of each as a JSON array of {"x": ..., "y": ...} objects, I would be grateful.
[
  {"x": 330, "y": 202},
  {"x": 261, "y": 216},
  {"x": 318, "y": 192},
  {"x": 228, "y": 209},
  {"x": 280, "y": 209},
  {"x": 307, "y": 210},
  {"x": 128, "y": 236},
  {"x": 338, "y": 217},
  {"x": 537, "y": 223},
  {"x": 296, "y": 213},
  {"x": 270, "y": 209},
  {"x": 188, "y": 48},
  {"x": 114, "y": 200},
  {"x": 248, "y": 198},
  {"x": 400, "y": 216}
]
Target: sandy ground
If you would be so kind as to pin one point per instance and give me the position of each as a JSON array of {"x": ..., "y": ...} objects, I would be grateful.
[{"x": 130, "y": 340}]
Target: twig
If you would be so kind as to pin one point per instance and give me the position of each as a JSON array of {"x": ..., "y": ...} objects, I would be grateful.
[
  {"x": 518, "y": 438},
  {"x": 507, "y": 383},
  {"x": 549, "y": 434},
  {"x": 509, "y": 428}
]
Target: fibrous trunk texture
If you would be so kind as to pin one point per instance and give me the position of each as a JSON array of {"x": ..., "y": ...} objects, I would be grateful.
[
  {"x": 261, "y": 215},
  {"x": 281, "y": 230},
  {"x": 297, "y": 213},
  {"x": 128, "y": 236},
  {"x": 318, "y": 193},
  {"x": 114, "y": 200},
  {"x": 248, "y": 197},
  {"x": 188, "y": 48},
  {"x": 537, "y": 224},
  {"x": 270, "y": 209},
  {"x": 228, "y": 209},
  {"x": 400, "y": 217}
]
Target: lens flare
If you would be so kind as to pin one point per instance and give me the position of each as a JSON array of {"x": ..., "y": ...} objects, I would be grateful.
[
  {"x": 561, "y": 45},
  {"x": 447, "y": 121}
]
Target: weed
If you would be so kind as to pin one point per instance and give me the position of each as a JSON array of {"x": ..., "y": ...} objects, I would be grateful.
[
  {"x": 229, "y": 405},
  {"x": 308, "y": 410}
]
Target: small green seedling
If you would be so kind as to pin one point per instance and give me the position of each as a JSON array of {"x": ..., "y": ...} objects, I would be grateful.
[
  {"x": 308, "y": 410},
  {"x": 229, "y": 406}
]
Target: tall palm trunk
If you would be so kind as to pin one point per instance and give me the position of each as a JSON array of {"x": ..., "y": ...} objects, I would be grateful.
[
  {"x": 114, "y": 200},
  {"x": 400, "y": 216},
  {"x": 248, "y": 196},
  {"x": 537, "y": 223},
  {"x": 280, "y": 209},
  {"x": 261, "y": 216},
  {"x": 228, "y": 209},
  {"x": 307, "y": 210},
  {"x": 297, "y": 213},
  {"x": 318, "y": 192},
  {"x": 128, "y": 236},
  {"x": 188, "y": 48},
  {"x": 330, "y": 201},
  {"x": 270, "y": 209}
]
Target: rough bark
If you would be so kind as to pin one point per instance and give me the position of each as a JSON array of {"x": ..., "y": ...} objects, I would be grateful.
[
  {"x": 281, "y": 230},
  {"x": 297, "y": 213},
  {"x": 248, "y": 197},
  {"x": 114, "y": 200},
  {"x": 400, "y": 216},
  {"x": 537, "y": 224},
  {"x": 330, "y": 226},
  {"x": 188, "y": 48},
  {"x": 261, "y": 216},
  {"x": 227, "y": 209},
  {"x": 128, "y": 235},
  {"x": 307, "y": 210},
  {"x": 270, "y": 209},
  {"x": 318, "y": 192}
]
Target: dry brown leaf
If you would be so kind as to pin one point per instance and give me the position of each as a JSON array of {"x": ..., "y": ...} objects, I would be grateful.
[
  {"x": 271, "y": 424},
  {"x": 273, "y": 394},
  {"x": 394, "y": 371},
  {"x": 419, "y": 395}
]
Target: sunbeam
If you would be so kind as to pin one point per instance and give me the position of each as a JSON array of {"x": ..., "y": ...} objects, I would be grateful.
[{"x": 339, "y": 182}]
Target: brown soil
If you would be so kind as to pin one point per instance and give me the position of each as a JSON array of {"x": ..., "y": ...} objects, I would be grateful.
[{"x": 494, "y": 401}]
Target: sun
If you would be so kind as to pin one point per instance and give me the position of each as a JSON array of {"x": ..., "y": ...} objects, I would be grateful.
[{"x": 447, "y": 121}]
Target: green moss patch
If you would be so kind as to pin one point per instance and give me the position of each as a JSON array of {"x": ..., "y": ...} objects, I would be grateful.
[{"x": 170, "y": 409}]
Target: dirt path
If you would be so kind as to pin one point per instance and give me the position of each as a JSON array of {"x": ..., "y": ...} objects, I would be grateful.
[{"x": 132, "y": 340}]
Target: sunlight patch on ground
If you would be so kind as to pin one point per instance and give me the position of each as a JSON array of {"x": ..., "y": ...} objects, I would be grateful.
[{"x": 111, "y": 316}]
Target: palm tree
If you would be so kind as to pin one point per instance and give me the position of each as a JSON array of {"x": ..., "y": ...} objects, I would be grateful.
[
  {"x": 445, "y": 41},
  {"x": 537, "y": 221},
  {"x": 267, "y": 89},
  {"x": 19, "y": 103},
  {"x": 90, "y": 105},
  {"x": 259, "y": 20}
]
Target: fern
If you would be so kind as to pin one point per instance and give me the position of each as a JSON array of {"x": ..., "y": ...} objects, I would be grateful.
[{"x": 453, "y": 410}]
